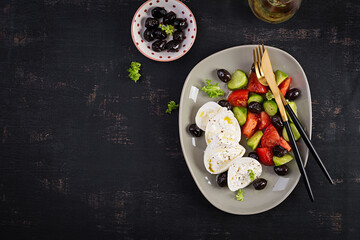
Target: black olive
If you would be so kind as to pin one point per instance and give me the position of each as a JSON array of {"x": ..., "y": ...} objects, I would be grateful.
[
  {"x": 223, "y": 75},
  {"x": 169, "y": 18},
  {"x": 259, "y": 183},
  {"x": 253, "y": 68},
  {"x": 279, "y": 151},
  {"x": 225, "y": 103},
  {"x": 159, "y": 45},
  {"x": 254, "y": 155},
  {"x": 173, "y": 45},
  {"x": 149, "y": 35},
  {"x": 160, "y": 34},
  {"x": 281, "y": 170},
  {"x": 255, "y": 107},
  {"x": 151, "y": 23},
  {"x": 222, "y": 179},
  {"x": 277, "y": 122},
  {"x": 178, "y": 35},
  {"x": 195, "y": 130},
  {"x": 293, "y": 94},
  {"x": 180, "y": 23},
  {"x": 158, "y": 12}
]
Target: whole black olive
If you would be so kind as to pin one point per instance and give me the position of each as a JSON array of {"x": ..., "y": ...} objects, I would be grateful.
[
  {"x": 223, "y": 75},
  {"x": 255, "y": 107},
  {"x": 159, "y": 45},
  {"x": 222, "y": 179},
  {"x": 253, "y": 68},
  {"x": 151, "y": 23},
  {"x": 195, "y": 130},
  {"x": 149, "y": 35},
  {"x": 279, "y": 151},
  {"x": 180, "y": 23},
  {"x": 160, "y": 34},
  {"x": 277, "y": 122},
  {"x": 178, "y": 35},
  {"x": 225, "y": 103},
  {"x": 259, "y": 183},
  {"x": 158, "y": 12},
  {"x": 169, "y": 18},
  {"x": 293, "y": 94},
  {"x": 254, "y": 155},
  {"x": 173, "y": 45},
  {"x": 281, "y": 170}
]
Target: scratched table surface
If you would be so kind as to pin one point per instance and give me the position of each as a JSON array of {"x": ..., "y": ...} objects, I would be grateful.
[{"x": 86, "y": 153}]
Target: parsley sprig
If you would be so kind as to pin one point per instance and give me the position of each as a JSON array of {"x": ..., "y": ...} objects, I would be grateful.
[
  {"x": 239, "y": 196},
  {"x": 251, "y": 174},
  {"x": 171, "y": 106},
  {"x": 134, "y": 71},
  {"x": 213, "y": 90},
  {"x": 169, "y": 29}
]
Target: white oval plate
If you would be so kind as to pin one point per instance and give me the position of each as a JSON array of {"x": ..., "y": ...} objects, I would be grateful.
[{"x": 278, "y": 188}]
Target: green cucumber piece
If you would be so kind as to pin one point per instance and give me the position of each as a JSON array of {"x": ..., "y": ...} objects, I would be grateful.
[
  {"x": 294, "y": 108},
  {"x": 255, "y": 98},
  {"x": 282, "y": 160},
  {"x": 294, "y": 131},
  {"x": 280, "y": 77},
  {"x": 270, "y": 107},
  {"x": 238, "y": 80},
  {"x": 253, "y": 142},
  {"x": 240, "y": 114}
]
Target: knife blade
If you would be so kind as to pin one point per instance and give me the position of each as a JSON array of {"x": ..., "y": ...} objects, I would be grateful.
[{"x": 270, "y": 78}]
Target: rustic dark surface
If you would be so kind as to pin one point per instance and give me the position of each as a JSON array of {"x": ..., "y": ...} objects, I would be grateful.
[{"x": 85, "y": 153}]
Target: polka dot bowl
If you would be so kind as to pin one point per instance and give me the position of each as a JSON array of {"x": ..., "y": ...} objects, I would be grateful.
[{"x": 138, "y": 28}]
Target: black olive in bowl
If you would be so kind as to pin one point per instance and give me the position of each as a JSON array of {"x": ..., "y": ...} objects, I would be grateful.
[
  {"x": 169, "y": 18},
  {"x": 159, "y": 45},
  {"x": 158, "y": 12},
  {"x": 151, "y": 23}
]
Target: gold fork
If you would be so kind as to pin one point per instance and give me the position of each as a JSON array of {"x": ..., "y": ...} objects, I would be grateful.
[{"x": 259, "y": 73}]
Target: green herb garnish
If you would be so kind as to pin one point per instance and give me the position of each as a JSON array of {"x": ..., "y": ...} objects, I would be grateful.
[
  {"x": 169, "y": 29},
  {"x": 213, "y": 90},
  {"x": 171, "y": 106},
  {"x": 269, "y": 95},
  {"x": 251, "y": 174},
  {"x": 239, "y": 196},
  {"x": 134, "y": 71}
]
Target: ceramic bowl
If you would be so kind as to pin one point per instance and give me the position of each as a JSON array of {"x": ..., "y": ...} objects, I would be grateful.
[{"x": 138, "y": 28}]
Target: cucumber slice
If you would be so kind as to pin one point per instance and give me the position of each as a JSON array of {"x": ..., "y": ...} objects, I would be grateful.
[
  {"x": 253, "y": 142},
  {"x": 238, "y": 80},
  {"x": 255, "y": 98},
  {"x": 282, "y": 160},
  {"x": 280, "y": 77},
  {"x": 294, "y": 131},
  {"x": 270, "y": 107},
  {"x": 294, "y": 108},
  {"x": 240, "y": 114}
]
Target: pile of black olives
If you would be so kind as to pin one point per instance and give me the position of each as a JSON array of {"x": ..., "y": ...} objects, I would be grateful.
[{"x": 153, "y": 32}]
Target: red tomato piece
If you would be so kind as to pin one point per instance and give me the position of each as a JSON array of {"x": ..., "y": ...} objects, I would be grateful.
[
  {"x": 284, "y": 86},
  {"x": 285, "y": 144},
  {"x": 239, "y": 98},
  {"x": 250, "y": 125},
  {"x": 264, "y": 120},
  {"x": 271, "y": 137},
  {"x": 255, "y": 85},
  {"x": 265, "y": 156}
]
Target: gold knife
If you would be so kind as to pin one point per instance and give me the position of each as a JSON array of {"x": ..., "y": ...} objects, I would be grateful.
[{"x": 270, "y": 78}]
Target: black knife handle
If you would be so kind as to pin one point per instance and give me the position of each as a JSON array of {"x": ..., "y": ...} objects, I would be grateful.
[
  {"x": 308, "y": 142},
  {"x": 298, "y": 160}
]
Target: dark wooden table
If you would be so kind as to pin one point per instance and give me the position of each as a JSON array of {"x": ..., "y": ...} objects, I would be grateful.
[{"x": 85, "y": 153}]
